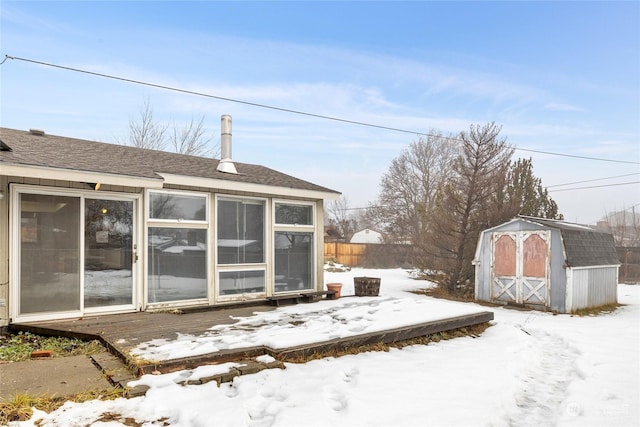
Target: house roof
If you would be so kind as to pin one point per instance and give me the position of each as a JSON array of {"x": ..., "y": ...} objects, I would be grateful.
[
  {"x": 584, "y": 246},
  {"x": 36, "y": 150}
]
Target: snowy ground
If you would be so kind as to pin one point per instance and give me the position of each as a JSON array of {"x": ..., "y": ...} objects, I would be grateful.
[{"x": 530, "y": 368}]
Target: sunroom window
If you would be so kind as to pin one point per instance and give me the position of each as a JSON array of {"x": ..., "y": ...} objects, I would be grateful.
[
  {"x": 294, "y": 242},
  {"x": 177, "y": 246},
  {"x": 177, "y": 207},
  {"x": 240, "y": 231},
  {"x": 241, "y": 246}
]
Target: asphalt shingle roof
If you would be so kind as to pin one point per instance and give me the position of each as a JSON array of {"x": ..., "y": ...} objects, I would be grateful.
[
  {"x": 583, "y": 245},
  {"x": 89, "y": 156}
]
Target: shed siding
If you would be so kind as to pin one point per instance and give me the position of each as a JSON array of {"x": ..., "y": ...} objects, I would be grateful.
[{"x": 592, "y": 287}]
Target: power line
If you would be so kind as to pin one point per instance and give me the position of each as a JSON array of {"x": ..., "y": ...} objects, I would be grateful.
[
  {"x": 595, "y": 186},
  {"x": 286, "y": 110},
  {"x": 592, "y": 180}
]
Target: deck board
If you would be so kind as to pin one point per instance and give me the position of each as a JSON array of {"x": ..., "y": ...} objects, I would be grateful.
[{"x": 120, "y": 333}]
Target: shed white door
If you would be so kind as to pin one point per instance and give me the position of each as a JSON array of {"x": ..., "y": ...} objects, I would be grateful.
[{"x": 520, "y": 267}]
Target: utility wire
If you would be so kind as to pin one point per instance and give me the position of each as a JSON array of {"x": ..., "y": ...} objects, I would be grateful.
[
  {"x": 592, "y": 180},
  {"x": 595, "y": 186},
  {"x": 286, "y": 110}
]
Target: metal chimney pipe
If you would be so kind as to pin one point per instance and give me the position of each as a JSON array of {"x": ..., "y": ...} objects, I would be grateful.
[
  {"x": 225, "y": 142},
  {"x": 226, "y": 164}
]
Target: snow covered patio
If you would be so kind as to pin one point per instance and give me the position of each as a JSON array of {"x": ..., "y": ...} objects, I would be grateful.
[
  {"x": 530, "y": 368},
  {"x": 168, "y": 341}
]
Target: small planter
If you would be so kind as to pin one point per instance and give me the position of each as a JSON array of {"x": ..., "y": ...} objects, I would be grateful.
[
  {"x": 335, "y": 287},
  {"x": 366, "y": 286}
]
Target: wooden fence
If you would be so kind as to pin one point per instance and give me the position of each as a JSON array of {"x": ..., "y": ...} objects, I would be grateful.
[
  {"x": 369, "y": 254},
  {"x": 351, "y": 254}
]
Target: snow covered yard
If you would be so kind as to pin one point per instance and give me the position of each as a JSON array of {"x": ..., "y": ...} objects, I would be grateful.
[{"x": 530, "y": 368}]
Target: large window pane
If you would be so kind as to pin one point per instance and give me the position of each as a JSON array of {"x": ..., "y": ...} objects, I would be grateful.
[
  {"x": 177, "y": 264},
  {"x": 294, "y": 261},
  {"x": 241, "y": 282},
  {"x": 240, "y": 232},
  {"x": 177, "y": 207},
  {"x": 108, "y": 247},
  {"x": 49, "y": 253},
  {"x": 294, "y": 214}
]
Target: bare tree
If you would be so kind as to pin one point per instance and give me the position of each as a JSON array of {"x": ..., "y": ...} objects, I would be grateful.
[
  {"x": 145, "y": 132},
  {"x": 192, "y": 139},
  {"x": 409, "y": 188},
  {"x": 341, "y": 217},
  {"x": 624, "y": 225},
  {"x": 463, "y": 203}
]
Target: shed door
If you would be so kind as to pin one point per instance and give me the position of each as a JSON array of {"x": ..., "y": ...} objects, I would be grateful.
[{"x": 520, "y": 267}]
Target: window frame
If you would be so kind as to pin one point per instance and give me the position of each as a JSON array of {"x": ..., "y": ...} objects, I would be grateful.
[
  {"x": 299, "y": 228},
  {"x": 181, "y": 224},
  {"x": 261, "y": 266}
]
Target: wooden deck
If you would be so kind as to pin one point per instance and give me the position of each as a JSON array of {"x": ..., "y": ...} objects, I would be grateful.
[{"x": 120, "y": 333}]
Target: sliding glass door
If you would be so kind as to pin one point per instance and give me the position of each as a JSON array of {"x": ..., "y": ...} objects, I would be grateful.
[{"x": 75, "y": 254}]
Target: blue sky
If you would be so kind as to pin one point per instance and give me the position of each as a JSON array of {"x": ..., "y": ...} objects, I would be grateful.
[{"x": 560, "y": 77}]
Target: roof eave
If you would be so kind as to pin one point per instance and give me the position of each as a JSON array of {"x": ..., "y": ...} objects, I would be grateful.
[
  {"x": 58, "y": 174},
  {"x": 222, "y": 184}
]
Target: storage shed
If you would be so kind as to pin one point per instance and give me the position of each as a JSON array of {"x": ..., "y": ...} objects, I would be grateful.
[{"x": 546, "y": 264}]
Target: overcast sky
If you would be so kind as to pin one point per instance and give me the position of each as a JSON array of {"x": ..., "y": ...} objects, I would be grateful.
[{"x": 561, "y": 77}]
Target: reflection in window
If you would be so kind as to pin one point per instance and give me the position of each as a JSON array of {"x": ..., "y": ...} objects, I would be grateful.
[
  {"x": 293, "y": 261},
  {"x": 49, "y": 253},
  {"x": 177, "y": 207},
  {"x": 177, "y": 264},
  {"x": 240, "y": 232},
  {"x": 241, "y": 282},
  {"x": 294, "y": 214},
  {"x": 108, "y": 228}
]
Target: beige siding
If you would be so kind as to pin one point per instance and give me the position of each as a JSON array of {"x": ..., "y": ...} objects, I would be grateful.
[{"x": 4, "y": 251}]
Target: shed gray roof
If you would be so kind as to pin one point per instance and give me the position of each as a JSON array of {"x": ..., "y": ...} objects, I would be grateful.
[
  {"x": 89, "y": 156},
  {"x": 584, "y": 246}
]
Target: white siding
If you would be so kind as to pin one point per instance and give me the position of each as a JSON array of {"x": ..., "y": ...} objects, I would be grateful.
[{"x": 592, "y": 287}]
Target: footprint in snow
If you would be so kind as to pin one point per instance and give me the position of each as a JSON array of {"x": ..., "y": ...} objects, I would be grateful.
[
  {"x": 351, "y": 375},
  {"x": 335, "y": 398},
  {"x": 230, "y": 390}
]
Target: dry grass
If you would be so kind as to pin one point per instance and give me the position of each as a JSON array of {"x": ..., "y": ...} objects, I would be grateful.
[
  {"x": 597, "y": 311},
  {"x": 470, "y": 331},
  {"x": 20, "y": 407},
  {"x": 438, "y": 292},
  {"x": 18, "y": 347}
]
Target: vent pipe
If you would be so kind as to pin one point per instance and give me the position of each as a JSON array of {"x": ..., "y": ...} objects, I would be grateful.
[{"x": 226, "y": 164}]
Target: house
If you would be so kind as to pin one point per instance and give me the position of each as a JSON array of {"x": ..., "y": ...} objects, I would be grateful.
[
  {"x": 546, "y": 264},
  {"x": 366, "y": 236},
  {"x": 89, "y": 228}
]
